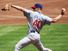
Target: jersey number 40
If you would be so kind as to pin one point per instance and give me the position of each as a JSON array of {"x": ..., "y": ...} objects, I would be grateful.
[{"x": 37, "y": 24}]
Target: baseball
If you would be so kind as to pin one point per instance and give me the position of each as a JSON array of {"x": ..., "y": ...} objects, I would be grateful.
[{"x": 6, "y": 6}]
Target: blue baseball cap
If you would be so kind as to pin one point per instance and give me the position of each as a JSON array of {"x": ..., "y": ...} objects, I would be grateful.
[{"x": 37, "y": 5}]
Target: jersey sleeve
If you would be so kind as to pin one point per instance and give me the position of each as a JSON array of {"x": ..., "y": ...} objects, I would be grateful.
[
  {"x": 47, "y": 19},
  {"x": 27, "y": 12}
]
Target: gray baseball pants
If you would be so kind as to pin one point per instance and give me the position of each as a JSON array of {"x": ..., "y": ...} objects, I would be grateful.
[{"x": 33, "y": 38}]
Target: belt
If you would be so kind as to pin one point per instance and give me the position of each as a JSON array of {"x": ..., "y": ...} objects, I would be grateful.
[{"x": 33, "y": 31}]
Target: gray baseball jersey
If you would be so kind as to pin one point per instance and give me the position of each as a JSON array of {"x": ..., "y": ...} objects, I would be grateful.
[{"x": 36, "y": 20}]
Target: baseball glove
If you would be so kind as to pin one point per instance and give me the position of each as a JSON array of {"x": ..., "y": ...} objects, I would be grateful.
[{"x": 63, "y": 11}]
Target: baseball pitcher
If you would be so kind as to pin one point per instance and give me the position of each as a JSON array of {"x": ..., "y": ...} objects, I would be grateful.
[{"x": 36, "y": 20}]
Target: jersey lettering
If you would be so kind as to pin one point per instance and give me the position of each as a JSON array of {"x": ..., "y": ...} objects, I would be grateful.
[{"x": 37, "y": 24}]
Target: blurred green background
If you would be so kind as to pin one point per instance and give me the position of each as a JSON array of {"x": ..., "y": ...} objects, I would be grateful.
[{"x": 54, "y": 37}]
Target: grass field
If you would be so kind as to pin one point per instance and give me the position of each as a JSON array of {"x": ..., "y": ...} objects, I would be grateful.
[{"x": 54, "y": 37}]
